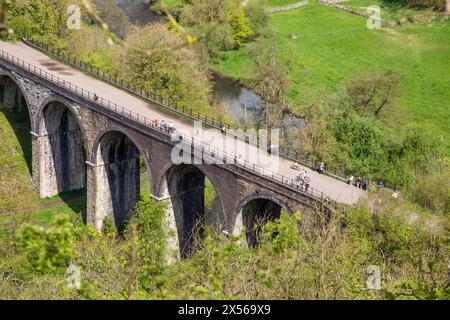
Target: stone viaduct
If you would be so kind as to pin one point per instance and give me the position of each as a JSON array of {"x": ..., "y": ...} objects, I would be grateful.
[{"x": 79, "y": 143}]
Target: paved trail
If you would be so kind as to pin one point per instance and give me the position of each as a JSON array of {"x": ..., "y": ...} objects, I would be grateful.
[{"x": 335, "y": 189}]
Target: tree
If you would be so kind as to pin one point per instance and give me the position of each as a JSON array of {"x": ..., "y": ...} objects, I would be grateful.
[
  {"x": 239, "y": 25},
  {"x": 45, "y": 20},
  {"x": 271, "y": 81},
  {"x": 157, "y": 60},
  {"x": 257, "y": 17}
]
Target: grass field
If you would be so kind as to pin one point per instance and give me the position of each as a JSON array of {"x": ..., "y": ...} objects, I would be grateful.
[
  {"x": 334, "y": 46},
  {"x": 18, "y": 200}
]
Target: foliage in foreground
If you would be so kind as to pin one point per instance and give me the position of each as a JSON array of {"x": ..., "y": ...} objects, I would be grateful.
[{"x": 327, "y": 262}]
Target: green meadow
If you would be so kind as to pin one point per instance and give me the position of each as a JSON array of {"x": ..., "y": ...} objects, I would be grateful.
[{"x": 333, "y": 46}]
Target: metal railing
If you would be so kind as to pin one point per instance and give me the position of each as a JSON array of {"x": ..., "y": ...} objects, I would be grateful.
[
  {"x": 199, "y": 148},
  {"x": 157, "y": 100}
]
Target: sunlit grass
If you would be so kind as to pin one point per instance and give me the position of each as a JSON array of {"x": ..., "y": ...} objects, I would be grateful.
[{"x": 334, "y": 46}]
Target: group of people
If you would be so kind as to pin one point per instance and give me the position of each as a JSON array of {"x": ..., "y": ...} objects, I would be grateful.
[
  {"x": 302, "y": 181},
  {"x": 166, "y": 126},
  {"x": 358, "y": 182}
]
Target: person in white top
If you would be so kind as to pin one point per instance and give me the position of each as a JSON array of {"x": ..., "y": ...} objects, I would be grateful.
[{"x": 350, "y": 180}]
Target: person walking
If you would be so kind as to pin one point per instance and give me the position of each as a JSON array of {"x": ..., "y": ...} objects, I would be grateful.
[
  {"x": 170, "y": 126},
  {"x": 321, "y": 168},
  {"x": 298, "y": 183},
  {"x": 306, "y": 183},
  {"x": 163, "y": 124},
  {"x": 302, "y": 174},
  {"x": 350, "y": 180},
  {"x": 365, "y": 185}
]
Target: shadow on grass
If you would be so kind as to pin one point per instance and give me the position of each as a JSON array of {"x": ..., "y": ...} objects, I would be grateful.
[
  {"x": 75, "y": 200},
  {"x": 20, "y": 123}
]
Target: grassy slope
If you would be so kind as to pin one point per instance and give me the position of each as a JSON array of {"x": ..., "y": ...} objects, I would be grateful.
[
  {"x": 333, "y": 46},
  {"x": 17, "y": 197},
  {"x": 15, "y": 179}
]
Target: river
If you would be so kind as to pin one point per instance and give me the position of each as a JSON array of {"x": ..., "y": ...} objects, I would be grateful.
[{"x": 246, "y": 106}]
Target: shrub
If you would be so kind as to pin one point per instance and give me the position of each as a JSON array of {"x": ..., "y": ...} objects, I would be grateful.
[
  {"x": 48, "y": 249},
  {"x": 257, "y": 17},
  {"x": 239, "y": 25},
  {"x": 433, "y": 192}
]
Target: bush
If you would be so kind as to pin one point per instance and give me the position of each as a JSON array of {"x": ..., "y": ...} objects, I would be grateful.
[
  {"x": 48, "y": 249},
  {"x": 367, "y": 143},
  {"x": 257, "y": 17},
  {"x": 43, "y": 20},
  {"x": 239, "y": 25},
  {"x": 114, "y": 16},
  {"x": 218, "y": 38},
  {"x": 433, "y": 192},
  {"x": 433, "y": 4}
]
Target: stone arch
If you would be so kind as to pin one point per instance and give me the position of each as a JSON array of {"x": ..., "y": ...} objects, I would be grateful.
[
  {"x": 184, "y": 186},
  {"x": 12, "y": 91},
  {"x": 62, "y": 148},
  {"x": 255, "y": 211},
  {"x": 14, "y": 102},
  {"x": 40, "y": 126},
  {"x": 116, "y": 164}
]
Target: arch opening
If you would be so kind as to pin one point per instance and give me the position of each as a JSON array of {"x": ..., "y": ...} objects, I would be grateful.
[
  {"x": 255, "y": 214},
  {"x": 14, "y": 106},
  {"x": 195, "y": 204},
  {"x": 62, "y": 150},
  {"x": 122, "y": 178}
]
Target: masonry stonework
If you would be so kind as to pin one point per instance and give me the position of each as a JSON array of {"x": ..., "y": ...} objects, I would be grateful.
[{"x": 77, "y": 143}]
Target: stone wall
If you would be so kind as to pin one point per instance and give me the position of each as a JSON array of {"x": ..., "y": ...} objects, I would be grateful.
[
  {"x": 352, "y": 11},
  {"x": 289, "y": 7}
]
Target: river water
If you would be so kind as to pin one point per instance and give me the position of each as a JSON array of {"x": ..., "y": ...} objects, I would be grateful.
[
  {"x": 246, "y": 106},
  {"x": 138, "y": 12}
]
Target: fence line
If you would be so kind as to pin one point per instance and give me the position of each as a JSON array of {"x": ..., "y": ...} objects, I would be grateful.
[
  {"x": 198, "y": 147},
  {"x": 154, "y": 99}
]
